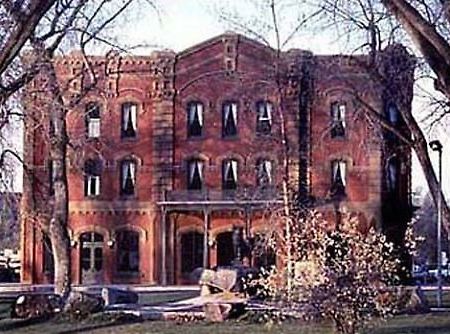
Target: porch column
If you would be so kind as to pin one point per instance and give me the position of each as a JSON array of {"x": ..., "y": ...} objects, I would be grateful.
[
  {"x": 248, "y": 222},
  {"x": 248, "y": 228},
  {"x": 205, "y": 238},
  {"x": 163, "y": 246}
]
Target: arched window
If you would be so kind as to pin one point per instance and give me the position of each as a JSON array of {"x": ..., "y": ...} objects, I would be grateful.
[
  {"x": 128, "y": 177},
  {"x": 195, "y": 178},
  {"x": 229, "y": 119},
  {"x": 338, "y": 177},
  {"x": 127, "y": 251},
  {"x": 264, "y": 172},
  {"x": 229, "y": 174},
  {"x": 92, "y": 177},
  {"x": 195, "y": 119},
  {"x": 92, "y": 120},
  {"x": 392, "y": 175},
  {"x": 264, "y": 117},
  {"x": 392, "y": 113},
  {"x": 129, "y": 120},
  {"x": 191, "y": 251},
  {"x": 338, "y": 123}
]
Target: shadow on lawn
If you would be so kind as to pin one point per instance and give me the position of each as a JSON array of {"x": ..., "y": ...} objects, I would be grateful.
[
  {"x": 428, "y": 329},
  {"x": 91, "y": 327},
  {"x": 16, "y": 324},
  {"x": 68, "y": 326}
]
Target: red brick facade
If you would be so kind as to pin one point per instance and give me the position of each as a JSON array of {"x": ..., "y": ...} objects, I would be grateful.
[{"x": 208, "y": 118}]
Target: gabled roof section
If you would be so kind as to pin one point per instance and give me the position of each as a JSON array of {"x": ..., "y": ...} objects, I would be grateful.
[{"x": 219, "y": 39}]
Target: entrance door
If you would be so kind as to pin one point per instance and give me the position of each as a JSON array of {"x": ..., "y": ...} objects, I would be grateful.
[
  {"x": 91, "y": 258},
  {"x": 225, "y": 255},
  {"x": 191, "y": 253}
]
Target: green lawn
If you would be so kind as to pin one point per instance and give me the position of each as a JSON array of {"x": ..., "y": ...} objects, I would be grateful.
[
  {"x": 433, "y": 323},
  {"x": 438, "y": 323}
]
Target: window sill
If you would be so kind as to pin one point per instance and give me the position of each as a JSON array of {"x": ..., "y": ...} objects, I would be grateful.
[
  {"x": 128, "y": 139},
  {"x": 92, "y": 197},
  {"x": 231, "y": 138},
  {"x": 195, "y": 138},
  {"x": 263, "y": 135},
  {"x": 128, "y": 197},
  {"x": 340, "y": 138}
]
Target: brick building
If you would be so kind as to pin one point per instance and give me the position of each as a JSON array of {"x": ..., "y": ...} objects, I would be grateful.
[{"x": 173, "y": 152}]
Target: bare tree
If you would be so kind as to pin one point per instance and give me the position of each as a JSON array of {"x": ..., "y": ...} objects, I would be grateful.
[
  {"x": 372, "y": 25},
  {"x": 33, "y": 33}
]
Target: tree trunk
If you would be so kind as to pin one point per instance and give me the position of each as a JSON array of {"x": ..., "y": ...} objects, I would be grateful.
[
  {"x": 58, "y": 232},
  {"x": 436, "y": 51}
]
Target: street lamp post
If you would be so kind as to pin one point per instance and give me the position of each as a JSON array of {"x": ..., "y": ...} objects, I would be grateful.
[{"x": 436, "y": 145}]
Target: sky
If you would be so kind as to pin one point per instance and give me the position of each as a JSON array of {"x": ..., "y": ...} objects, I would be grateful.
[{"x": 183, "y": 23}]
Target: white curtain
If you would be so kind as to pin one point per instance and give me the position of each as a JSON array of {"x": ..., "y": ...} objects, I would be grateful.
[
  {"x": 93, "y": 185},
  {"x": 133, "y": 115},
  {"x": 265, "y": 111},
  {"x": 269, "y": 111},
  {"x": 199, "y": 166},
  {"x": 233, "y": 165},
  {"x": 97, "y": 185},
  {"x": 126, "y": 168},
  {"x": 200, "y": 113},
  {"x": 125, "y": 115},
  {"x": 192, "y": 168},
  {"x": 267, "y": 166},
  {"x": 195, "y": 167},
  {"x": 196, "y": 109},
  {"x": 342, "y": 169},
  {"x": 233, "y": 107},
  {"x": 341, "y": 114},
  {"x": 227, "y": 113},
  {"x": 132, "y": 167},
  {"x": 227, "y": 169},
  {"x": 339, "y": 168}
]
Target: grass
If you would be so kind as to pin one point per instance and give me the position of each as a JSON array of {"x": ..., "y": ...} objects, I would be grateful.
[
  {"x": 429, "y": 323},
  {"x": 432, "y": 323}
]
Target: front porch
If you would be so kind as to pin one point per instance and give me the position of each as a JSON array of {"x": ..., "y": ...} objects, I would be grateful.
[{"x": 197, "y": 228}]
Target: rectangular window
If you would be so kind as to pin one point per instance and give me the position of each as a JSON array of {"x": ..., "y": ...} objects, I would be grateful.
[
  {"x": 392, "y": 179},
  {"x": 92, "y": 185},
  {"x": 195, "y": 175},
  {"x": 195, "y": 119},
  {"x": 338, "y": 124},
  {"x": 264, "y": 172},
  {"x": 93, "y": 121},
  {"x": 264, "y": 117},
  {"x": 128, "y": 178},
  {"x": 92, "y": 173},
  {"x": 229, "y": 119},
  {"x": 229, "y": 174},
  {"x": 338, "y": 177},
  {"x": 48, "y": 262},
  {"x": 129, "y": 120}
]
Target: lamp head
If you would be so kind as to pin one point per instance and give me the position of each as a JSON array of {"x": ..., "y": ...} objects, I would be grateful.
[{"x": 436, "y": 145}]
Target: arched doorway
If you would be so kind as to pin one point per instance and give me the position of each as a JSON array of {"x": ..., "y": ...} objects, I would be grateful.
[
  {"x": 91, "y": 258},
  {"x": 191, "y": 252},
  {"x": 225, "y": 254}
]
